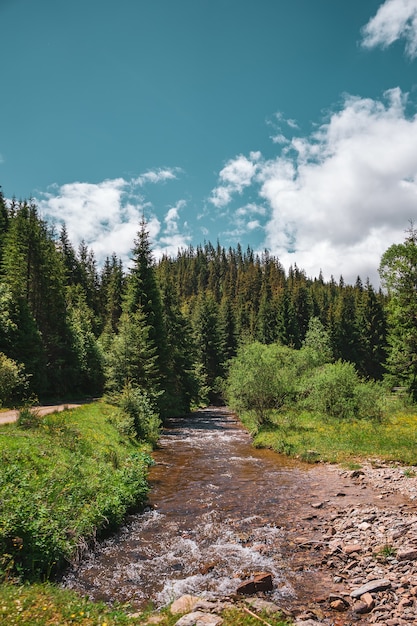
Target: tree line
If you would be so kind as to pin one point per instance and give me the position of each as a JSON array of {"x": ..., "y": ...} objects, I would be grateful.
[{"x": 168, "y": 329}]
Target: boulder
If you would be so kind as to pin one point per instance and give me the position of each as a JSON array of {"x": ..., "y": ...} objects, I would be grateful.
[
  {"x": 262, "y": 581},
  {"x": 373, "y": 585},
  {"x": 184, "y": 604}
]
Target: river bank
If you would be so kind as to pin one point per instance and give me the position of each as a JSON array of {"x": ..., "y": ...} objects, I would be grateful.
[
  {"x": 352, "y": 550},
  {"x": 221, "y": 510},
  {"x": 359, "y": 526}
]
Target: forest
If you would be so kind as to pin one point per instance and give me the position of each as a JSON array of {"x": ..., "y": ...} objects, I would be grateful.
[{"x": 163, "y": 334}]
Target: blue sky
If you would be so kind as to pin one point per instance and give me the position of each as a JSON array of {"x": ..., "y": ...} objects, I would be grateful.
[{"x": 282, "y": 124}]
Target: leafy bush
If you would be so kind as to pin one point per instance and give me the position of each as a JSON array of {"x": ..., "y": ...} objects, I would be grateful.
[
  {"x": 13, "y": 382},
  {"x": 336, "y": 390},
  {"x": 261, "y": 378},
  {"x": 137, "y": 413}
]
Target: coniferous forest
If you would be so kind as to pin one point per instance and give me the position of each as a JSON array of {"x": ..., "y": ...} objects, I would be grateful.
[{"x": 69, "y": 328}]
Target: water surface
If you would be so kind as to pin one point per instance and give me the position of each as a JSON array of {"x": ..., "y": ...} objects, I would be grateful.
[{"x": 217, "y": 513}]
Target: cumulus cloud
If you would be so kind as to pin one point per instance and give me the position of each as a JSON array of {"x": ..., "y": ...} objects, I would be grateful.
[
  {"x": 106, "y": 215},
  {"x": 395, "y": 19},
  {"x": 345, "y": 193},
  {"x": 236, "y": 175}
]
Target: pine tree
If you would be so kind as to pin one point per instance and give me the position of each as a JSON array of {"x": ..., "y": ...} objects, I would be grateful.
[
  {"x": 398, "y": 271},
  {"x": 34, "y": 271},
  {"x": 111, "y": 293},
  {"x": 372, "y": 324},
  {"x": 208, "y": 340},
  {"x": 180, "y": 383}
]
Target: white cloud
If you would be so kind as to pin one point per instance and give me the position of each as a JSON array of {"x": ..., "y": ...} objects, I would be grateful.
[
  {"x": 341, "y": 196},
  {"x": 156, "y": 176},
  {"x": 106, "y": 215},
  {"x": 174, "y": 236},
  {"x": 394, "y": 20},
  {"x": 237, "y": 174}
]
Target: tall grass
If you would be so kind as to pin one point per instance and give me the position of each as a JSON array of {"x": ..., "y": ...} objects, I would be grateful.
[{"x": 64, "y": 479}]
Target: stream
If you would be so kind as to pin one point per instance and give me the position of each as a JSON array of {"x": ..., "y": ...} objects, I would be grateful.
[{"x": 218, "y": 512}]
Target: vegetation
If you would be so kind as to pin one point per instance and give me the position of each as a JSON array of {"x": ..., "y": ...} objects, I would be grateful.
[
  {"x": 41, "y": 604},
  {"x": 170, "y": 328},
  {"x": 66, "y": 478},
  {"x": 309, "y": 365},
  {"x": 398, "y": 271}
]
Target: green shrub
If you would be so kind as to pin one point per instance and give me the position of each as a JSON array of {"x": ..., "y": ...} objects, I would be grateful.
[
  {"x": 13, "y": 382},
  {"x": 336, "y": 390},
  {"x": 137, "y": 414}
]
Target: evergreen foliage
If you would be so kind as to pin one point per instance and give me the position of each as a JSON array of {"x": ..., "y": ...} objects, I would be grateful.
[
  {"x": 171, "y": 327},
  {"x": 398, "y": 270}
]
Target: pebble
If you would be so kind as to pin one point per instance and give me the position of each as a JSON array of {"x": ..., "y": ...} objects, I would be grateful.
[{"x": 371, "y": 549}]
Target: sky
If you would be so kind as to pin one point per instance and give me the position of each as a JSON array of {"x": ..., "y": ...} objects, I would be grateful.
[{"x": 287, "y": 125}]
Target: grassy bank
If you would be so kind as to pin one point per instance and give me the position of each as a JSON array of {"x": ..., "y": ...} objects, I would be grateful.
[
  {"x": 312, "y": 438},
  {"x": 64, "y": 479},
  {"x": 46, "y": 604}
]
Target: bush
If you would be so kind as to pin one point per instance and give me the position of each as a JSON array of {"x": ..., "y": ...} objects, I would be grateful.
[
  {"x": 336, "y": 390},
  {"x": 13, "y": 382},
  {"x": 262, "y": 377},
  {"x": 137, "y": 414}
]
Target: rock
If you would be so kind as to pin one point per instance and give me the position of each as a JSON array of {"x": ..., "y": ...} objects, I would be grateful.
[
  {"x": 208, "y": 567},
  {"x": 247, "y": 588},
  {"x": 373, "y": 585},
  {"x": 409, "y": 554},
  {"x": 360, "y": 607},
  {"x": 352, "y": 548},
  {"x": 199, "y": 619},
  {"x": 338, "y": 605},
  {"x": 184, "y": 604},
  {"x": 262, "y": 581},
  {"x": 317, "y": 505},
  {"x": 259, "y": 604},
  {"x": 152, "y": 619},
  {"x": 368, "y": 599},
  {"x": 405, "y": 602}
]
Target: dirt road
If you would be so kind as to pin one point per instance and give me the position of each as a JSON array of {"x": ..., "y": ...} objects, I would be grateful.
[{"x": 7, "y": 417}]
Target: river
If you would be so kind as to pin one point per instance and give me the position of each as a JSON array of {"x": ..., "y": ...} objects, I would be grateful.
[{"x": 218, "y": 511}]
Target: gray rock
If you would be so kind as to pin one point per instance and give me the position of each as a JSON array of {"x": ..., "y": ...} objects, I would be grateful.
[
  {"x": 373, "y": 585},
  {"x": 198, "y": 618},
  {"x": 184, "y": 604}
]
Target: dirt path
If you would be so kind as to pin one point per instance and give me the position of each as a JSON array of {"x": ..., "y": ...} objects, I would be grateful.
[{"x": 7, "y": 417}]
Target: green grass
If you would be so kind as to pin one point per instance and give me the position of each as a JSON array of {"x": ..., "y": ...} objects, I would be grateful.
[
  {"x": 312, "y": 438},
  {"x": 67, "y": 478},
  {"x": 46, "y": 604}
]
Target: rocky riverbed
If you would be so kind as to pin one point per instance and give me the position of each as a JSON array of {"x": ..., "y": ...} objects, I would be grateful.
[
  {"x": 360, "y": 538},
  {"x": 352, "y": 549}
]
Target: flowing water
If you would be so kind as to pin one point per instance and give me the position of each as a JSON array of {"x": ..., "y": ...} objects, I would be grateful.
[{"x": 218, "y": 510}]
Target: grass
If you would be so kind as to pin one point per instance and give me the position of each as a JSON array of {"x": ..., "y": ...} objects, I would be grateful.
[
  {"x": 64, "y": 479},
  {"x": 313, "y": 438},
  {"x": 48, "y": 605}
]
